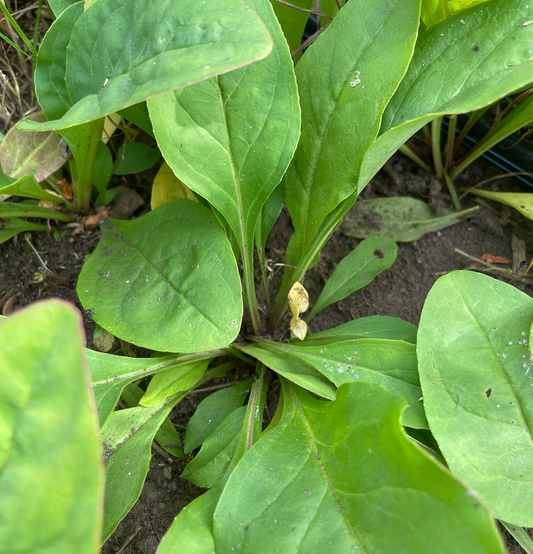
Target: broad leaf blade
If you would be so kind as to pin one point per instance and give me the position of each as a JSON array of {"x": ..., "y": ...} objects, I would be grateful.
[
  {"x": 370, "y": 258},
  {"x": 134, "y": 157},
  {"x": 127, "y": 439},
  {"x": 326, "y": 477},
  {"x": 231, "y": 138},
  {"x": 389, "y": 363},
  {"x": 475, "y": 371},
  {"x": 401, "y": 219},
  {"x": 171, "y": 283},
  {"x": 122, "y": 52},
  {"x": 366, "y": 51},
  {"x": 51, "y": 478}
]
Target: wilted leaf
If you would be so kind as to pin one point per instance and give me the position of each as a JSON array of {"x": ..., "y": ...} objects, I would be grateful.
[
  {"x": 401, "y": 219},
  {"x": 168, "y": 187}
]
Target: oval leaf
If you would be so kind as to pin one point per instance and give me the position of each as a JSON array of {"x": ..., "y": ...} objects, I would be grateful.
[
  {"x": 51, "y": 477},
  {"x": 340, "y": 476},
  {"x": 166, "y": 281},
  {"x": 476, "y": 374},
  {"x": 169, "y": 44}
]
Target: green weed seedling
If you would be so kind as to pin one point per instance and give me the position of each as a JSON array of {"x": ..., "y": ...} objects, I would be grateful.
[{"x": 370, "y": 413}]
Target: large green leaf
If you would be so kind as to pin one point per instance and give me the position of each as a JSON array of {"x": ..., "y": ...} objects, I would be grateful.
[
  {"x": 457, "y": 67},
  {"x": 51, "y": 477},
  {"x": 231, "y": 138},
  {"x": 124, "y": 51},
  {"x": 341, "y": 476},
  {"x": 110, "y": 374},
  {"x": 475, "y": 371},
  {"x": 345, "y": 80},
  {"x": 389, "y": 363},
  {"x": 400, "y": 218},
  {"x": 166, "y": 281},
  {"x": 59, "y": 6},
  {"x": 127, "y": 439},
  {"x": 370, "y": 258}
]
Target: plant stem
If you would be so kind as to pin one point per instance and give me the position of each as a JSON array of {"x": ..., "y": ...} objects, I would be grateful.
[
  {"x": 453, "y": 192},
  {"x": 520, "y": 535},
  {"x": 85, "y": 181},
  {"x": 474, "y": 116},
  {"x": 436, "y": 126},
  {"x": 404, "y": 149},
  {"x": 264, "y": 278},
  {"x": 448, "y": 149},
  {"x": 249, "y": 288}
]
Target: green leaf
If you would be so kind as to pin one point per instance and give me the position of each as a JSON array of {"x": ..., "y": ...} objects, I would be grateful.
[
  {"x": 49, "y": 76},
  {"x": 167, "y": 437},
  {"x": 435, "y": 11},
  {"x": 293, "y": 369},
  {"x": 366, "y": 51},
  {"x": 171, "y": 283},
  {"x": 110, "y": 374},
  {"x": 134, "y": 157},
  {"x": 209, "y": 466},
  {"x": 212, "y": 411},
  {"x": 401, "y": 219},
  {"x": 171, "y": 381},
  {"x": 192, "y": 530},
  {"x": 127, "y": 439},
  {"x": 520, "y": 201},
  {"x": 370, "y": 258},
  {"x": 448, "y": 75},
  {"x": 339, "y": 476},
  {"x": 371, "y": 327},
  {"x": 138, "y": 115},
  {"x": 22, "y": 153},
  {"x": 231, "y": 138},
  {"x": 10, "y": 209},
  {"x": 170, "y": 44},
  {"x": 475, "y": 371},
  {"x": 51, "y": 478},
  {"x": 16, "y": 226},
  {"x": 389, "y": 363},
  {"x": 29, "y": 187},
  {"x": 59, "y": 6}
]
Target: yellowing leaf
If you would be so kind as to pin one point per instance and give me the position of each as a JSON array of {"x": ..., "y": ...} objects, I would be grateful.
[
  {"x": 435, "y": 11},
  {"x": 300, "y": 329},
  {"x": 521, "y": 201},
  {"x": 168, "y": 187},
  {"x": 112, "y": 121},
  {"x": 299, "y": 297},
  {"x": 298, "y": 303}
]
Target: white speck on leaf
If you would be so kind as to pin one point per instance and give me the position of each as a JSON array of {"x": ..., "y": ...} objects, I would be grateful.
[{"x": 356, "y": 81}]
